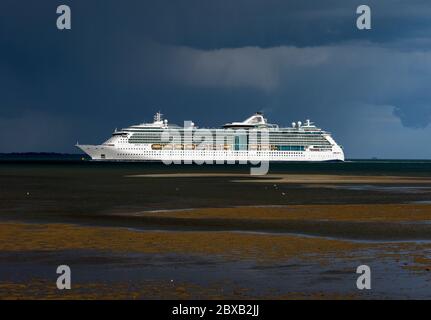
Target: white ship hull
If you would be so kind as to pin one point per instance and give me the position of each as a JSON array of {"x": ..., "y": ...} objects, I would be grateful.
[{"x": 144, "y": 153}]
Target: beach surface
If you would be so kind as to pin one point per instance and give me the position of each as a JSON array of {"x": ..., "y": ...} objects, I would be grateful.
[
  {"x": 155, "y": 233},
  {"x": 296, "y": 178},
  {"x": 146, "y": 253}
]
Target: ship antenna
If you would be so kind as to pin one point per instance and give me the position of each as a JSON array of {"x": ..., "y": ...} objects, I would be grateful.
[{"x": 158, "y": 116}]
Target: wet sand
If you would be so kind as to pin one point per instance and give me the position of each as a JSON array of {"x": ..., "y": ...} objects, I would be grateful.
[
  {"x": 264, "y": 247},
  {"x": 135, "y": 232},
  {"x": 341, "y": 212},
  {"x": 296, "y": 178},
  {"x": 194, "y": 248},
  {"x": 262, "y": 252},
  {"x": 354, "y": 222}
]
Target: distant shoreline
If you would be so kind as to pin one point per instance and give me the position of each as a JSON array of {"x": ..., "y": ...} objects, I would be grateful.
[
  {"x": 42, "y": 156},
  {"x": 39, "y": 153}
]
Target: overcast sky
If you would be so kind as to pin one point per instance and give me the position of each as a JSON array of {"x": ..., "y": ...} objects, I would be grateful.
[{"x": 213, "y": 62}]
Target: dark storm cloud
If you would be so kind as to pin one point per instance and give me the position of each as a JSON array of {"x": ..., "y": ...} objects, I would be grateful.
[
  {"x": 214, "y": 61},
  {"x": 420, "y": 118},
  {"x": 208, "y": 24}
]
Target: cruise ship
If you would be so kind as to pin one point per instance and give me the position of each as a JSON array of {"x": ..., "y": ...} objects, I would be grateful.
[{"x": 251, "y": 140}]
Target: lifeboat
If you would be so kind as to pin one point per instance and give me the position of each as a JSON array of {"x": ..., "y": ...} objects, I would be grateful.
[
  {"x": 178, "y": 147},
  {"x": 189, "y": 147},
  {"x": 168, "y": 147},
  {"x": 156, "y": 146}
]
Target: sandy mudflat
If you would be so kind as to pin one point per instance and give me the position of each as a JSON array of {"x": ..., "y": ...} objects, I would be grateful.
[
  {"x": 16, "y": 236},
  {"x": 351, "y": 222},
  {"x": 295, "y": 178},
  {"x": 264, "y": 251},
  {"x": 27, "y": 237},
  {"x": 266, "y": 248},
  {"x": 297, "y": 259},
  {"x": 42, "y": 289},
  {"x": 341, "y": 212},
  {"x": 198, "y": 235}
]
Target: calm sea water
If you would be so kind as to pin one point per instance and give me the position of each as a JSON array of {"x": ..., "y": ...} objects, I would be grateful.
[
  {"x": 65, "y": 187},
  {"x": 368, "y": 167}
]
